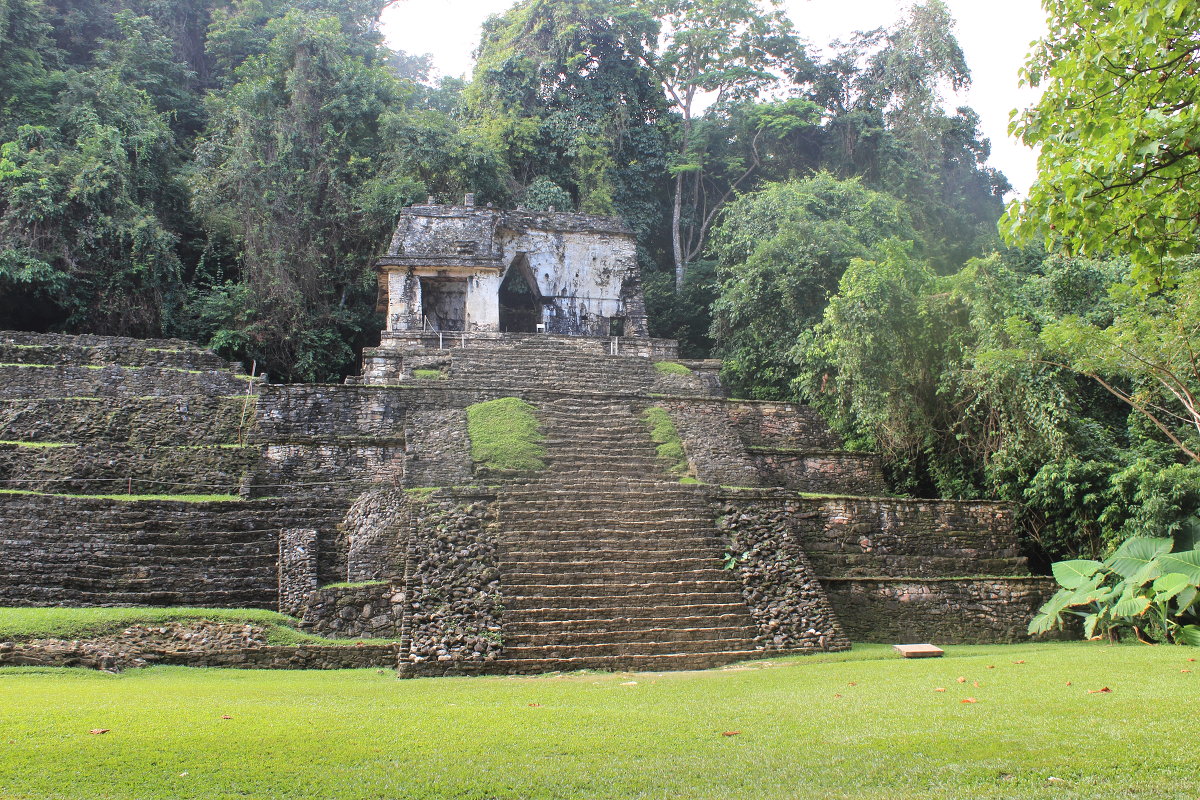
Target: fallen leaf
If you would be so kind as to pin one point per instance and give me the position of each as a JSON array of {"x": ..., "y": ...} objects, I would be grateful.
[
  {"x": 939, "y": 689},
  {"x": 961, "y": 679},
  {"x": 1022, "y": 661},
  {"x": 97, "y": 731},
  {"x": 182, "y": 774},
  {"x": 1191, "y": 659},
  {"x": 1105, "y": 690},
  {"x": 730, "y": 733},
  {"x": 852, "y": 683},
  {"x": 1068, "y": 683},
  {"x": 991, "y": 666},
  {"x": 837, "y": 695},
  {"x": 1053, "y": 779},
  {"x": 535, "y": 705},
  {"x": 629, "y": 683},
  {"x": 975, "y": 684},
  {"x": 226, "y": 716},
  {"x": 1185, "y": 670},
  {"x": 968, "y": 700}
]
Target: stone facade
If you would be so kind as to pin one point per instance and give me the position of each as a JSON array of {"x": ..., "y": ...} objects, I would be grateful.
[{"x": 462, "y": 268}]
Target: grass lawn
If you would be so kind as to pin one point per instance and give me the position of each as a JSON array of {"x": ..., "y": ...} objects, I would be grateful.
[{"x": 857, "y": 725}]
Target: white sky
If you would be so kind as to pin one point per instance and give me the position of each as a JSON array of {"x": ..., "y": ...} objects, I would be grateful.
[{"x": 994, "y": 36}]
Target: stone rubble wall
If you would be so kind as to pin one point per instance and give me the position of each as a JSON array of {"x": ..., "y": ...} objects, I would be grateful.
[
  {"x": 785, "y": 598},
  {"x": 56, "y": 349},
  {"x": 713, "y": 448},
  {"x": 324, "y": 470},
  {"x": 84, "y": 552},
  {"x": 787, "y": 425},
  {"x": 437, "y": 553}
]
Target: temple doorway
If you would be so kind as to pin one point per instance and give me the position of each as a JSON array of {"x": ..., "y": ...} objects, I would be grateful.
[
  {"x": 444, "y": 303},
  {"x": 520, "y": 300}
]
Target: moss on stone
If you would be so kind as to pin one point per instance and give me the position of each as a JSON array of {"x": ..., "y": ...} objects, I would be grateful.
[
  {"x": 36, "y": 444},
  {"x": 669, "y": 447},
  {"x": 354, "y": 584},
  {"x": 504, "y": 437},
  {"x": 672, "y": 368},
  {"x": 429, "y": 374}
]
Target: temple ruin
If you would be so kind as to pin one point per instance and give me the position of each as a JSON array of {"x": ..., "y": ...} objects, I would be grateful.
[{"x": 363, "y": 509}]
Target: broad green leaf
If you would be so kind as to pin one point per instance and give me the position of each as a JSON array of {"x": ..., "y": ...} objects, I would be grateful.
[
  {"x": 1041, "y": 624},
  {"x": 1089, "y": 625},
  {"x": 1089, "y": 591},
  {"x": 1187, "y": 563},
  {"x": 1072, "y": 574},
  {"x": 1185, "y": 599},
  {"x": 1136, "y": 556},
  {"x": 1189, "y": 634},
  {"x": 1167, "y": 586},
  {"x": 1055, "y": 605},
  {"x": 1131, "y": 606}
]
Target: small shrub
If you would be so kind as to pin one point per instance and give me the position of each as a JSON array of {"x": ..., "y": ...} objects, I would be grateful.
[
  {"x": 1143, "y": 587},
  {"x": 672, "y": 368},
  {"x": 504, "y": 437}
]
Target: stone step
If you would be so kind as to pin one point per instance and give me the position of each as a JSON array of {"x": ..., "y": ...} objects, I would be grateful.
[
  {"x": 527, "y": 664},
  {"x": 619, "y": 604},
  {"x": 558, "y": 580},
  {"x": 638, "y": 592},
  {"x": 627, "y": 635},
  {"x": 634, "y": 649},
  {"x": 576, "y": 562},
  {"x": 534, "y": 619}
]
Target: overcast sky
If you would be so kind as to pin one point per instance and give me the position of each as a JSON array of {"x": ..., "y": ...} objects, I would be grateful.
[{"x": 994, "y": 36}]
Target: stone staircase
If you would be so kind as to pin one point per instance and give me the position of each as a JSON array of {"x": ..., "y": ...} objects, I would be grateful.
[
  {"x": 532, "y": 364},
  {"x": 608, "y": 563}
]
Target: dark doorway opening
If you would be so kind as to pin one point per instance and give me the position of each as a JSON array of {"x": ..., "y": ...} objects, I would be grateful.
[
  {"x": 520, "y": 300},
  {"x": 444, "y": 303}
]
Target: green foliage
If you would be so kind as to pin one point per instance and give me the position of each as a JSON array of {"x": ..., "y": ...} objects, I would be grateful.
[
  {"x": 1117, "y": 126},
  {"x": 505, "y": 439},
  {"x": 668, "y": 444},
  {"x": 354, "y": 584},
  {"x": 1143, "y": 587},
  {"x": 87, "y": 623},
  {"x": 782, "y": 251},
  {"x": 429, "y": 374}
]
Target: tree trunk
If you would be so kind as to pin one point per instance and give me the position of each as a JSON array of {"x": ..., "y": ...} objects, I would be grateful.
[{"x": 676, "y": 243}]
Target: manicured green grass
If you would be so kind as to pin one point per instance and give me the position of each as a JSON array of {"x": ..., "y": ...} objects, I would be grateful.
[
  {"x": 672, "y": 368},
  {"x": 134, "y": 498},
  {"x": 669, "y": 446},
  {"x": 504, "y": 436},
  {"x": 861, "y": 725},
  {"x": 89, "y": 623}
]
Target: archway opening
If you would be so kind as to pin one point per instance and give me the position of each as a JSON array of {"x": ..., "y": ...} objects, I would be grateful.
[{"x": 520, "y": 300}]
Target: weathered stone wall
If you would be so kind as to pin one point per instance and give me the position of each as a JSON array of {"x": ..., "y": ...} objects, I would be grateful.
[
  {"x": 837, "y": 472},
  {"x": 299, "y": 567},
  {"x": 146, "y": 421},
  {"x": 334, "y": 470},
  {"x": 18, "y": 347},
  {"x": 712, "y": 445},
  {"x": 785, "y": 598},
  {"x": 942, "y": 610},
  {"x": 439, "y": 450},
  {"x": 24, "y": 380},
  {"x": 852, "y": 536},
  {"x": 117, "y": 469},
  {"x": 786, "y": 425},
  {"x": 76, "y": 551}
]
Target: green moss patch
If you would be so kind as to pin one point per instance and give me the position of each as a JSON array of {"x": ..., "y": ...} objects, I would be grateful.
[
  {"x": 504, "y": 437},
  {"x": 669, "y": 447},
  {"x": 36, "y": 444},
  {"x": 672, "y": 368},
  {"x": 17, "y": 624},
  {"x": 133, "y": 498},
  {"x": 354, "y": 584},
  {"x": 429, "y": 374}
]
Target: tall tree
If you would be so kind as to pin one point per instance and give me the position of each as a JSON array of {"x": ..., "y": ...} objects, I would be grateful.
[
  {"x": 712, "y": 52},
  {"x": 1118, "y": 127},
  {"x": 287, "y": 171}
]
